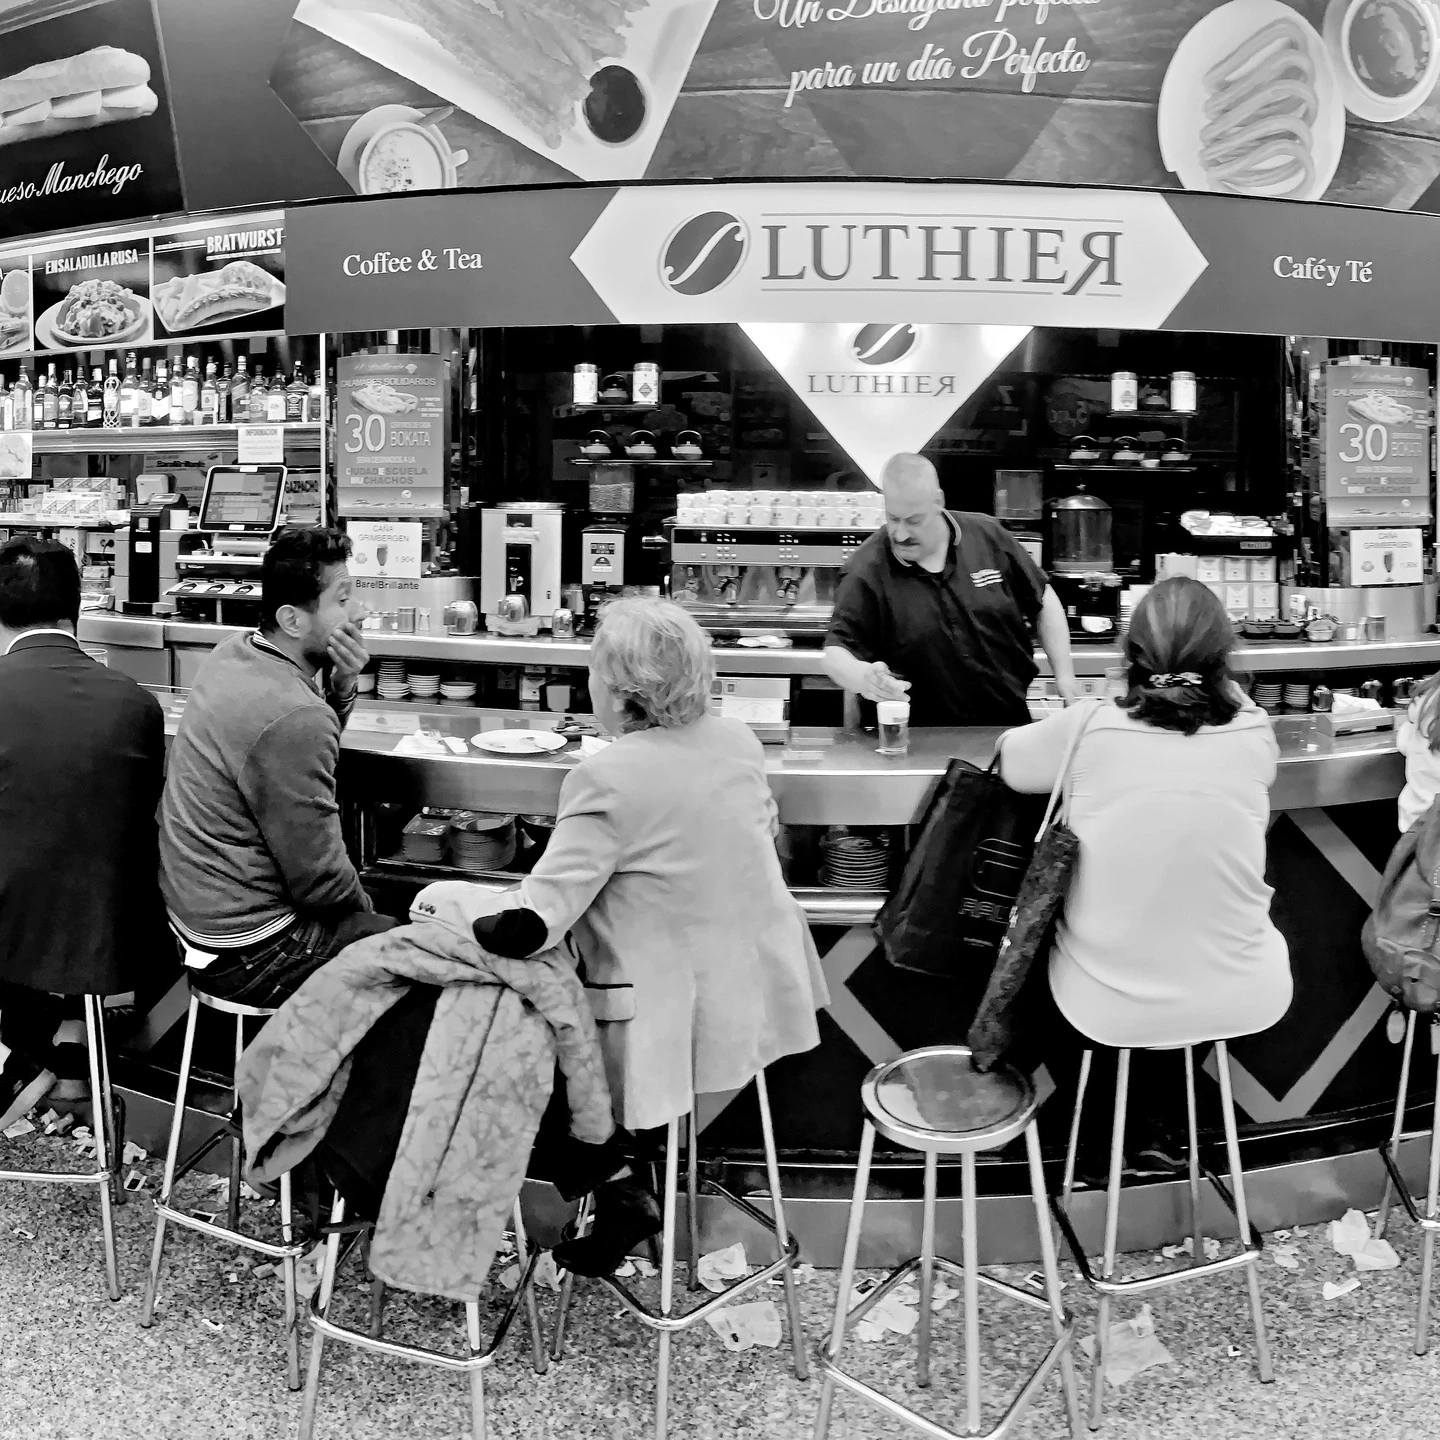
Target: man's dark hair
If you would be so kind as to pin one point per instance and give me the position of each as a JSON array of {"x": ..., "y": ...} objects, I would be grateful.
[
  {"x": 39, "y": 584},
  {"x": 293, "y": 571}
]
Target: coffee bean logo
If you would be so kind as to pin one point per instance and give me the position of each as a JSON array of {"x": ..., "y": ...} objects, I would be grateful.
[
  {"x": 703, "y": 253},
  {"x": 883, "y": 344}
]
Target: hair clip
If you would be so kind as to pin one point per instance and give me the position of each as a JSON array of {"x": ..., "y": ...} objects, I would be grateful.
[{"x": 1169, "y": 682}]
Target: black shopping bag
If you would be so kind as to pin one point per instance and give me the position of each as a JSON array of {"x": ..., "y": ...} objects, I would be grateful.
[{"x": 949, "y": 913}]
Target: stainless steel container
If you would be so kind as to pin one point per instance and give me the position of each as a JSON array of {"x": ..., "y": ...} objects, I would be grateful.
[
  {"x": 1408, "y": 610},
  {"x": 562, "y": 624},
  {"x": 1080, "y": 543}
]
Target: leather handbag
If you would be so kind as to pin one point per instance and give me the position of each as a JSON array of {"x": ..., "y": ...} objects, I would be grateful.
[
  {"x": 1029, "y": 934},
  {"x": 947, "y": 916}
]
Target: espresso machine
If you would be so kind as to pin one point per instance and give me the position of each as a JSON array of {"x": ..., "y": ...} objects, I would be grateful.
[
  {"x": 520, "y": 566},
  {"x": 1082, "y": 566}
]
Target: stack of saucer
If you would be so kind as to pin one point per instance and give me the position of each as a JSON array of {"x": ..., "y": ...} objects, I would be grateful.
[
  {"x": 424, "y": 839},
  {"x": 853, "y": 861},
  {"x": 481, "y": 843},
  {"x": 1297, "y": 695},
  {"x": 460, "y": 692},
  {"x": 424, "y": 682},
  {"x": 390, "y": 683},
  {"x": 1268, "y": 694}
]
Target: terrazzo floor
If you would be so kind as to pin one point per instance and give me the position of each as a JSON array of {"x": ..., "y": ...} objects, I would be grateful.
[{"x": 75, "y": 1366}]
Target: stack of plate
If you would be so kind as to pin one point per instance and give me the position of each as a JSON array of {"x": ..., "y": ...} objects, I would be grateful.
[
  {"x": 462, "y": 692},
  {"x": 424, "y": 839},
  {"x": 391, "y": 683},
  {"x": 854, "y": 862},
  {"x": 424, "y": 683},
  {"x": 1297, "y": 695},
  {"x": 1268, "y": 694},
  {"x": 481, "y": 843}
]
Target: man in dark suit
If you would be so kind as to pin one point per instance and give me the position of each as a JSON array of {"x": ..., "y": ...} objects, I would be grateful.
[{"x": 82, "y": 759}]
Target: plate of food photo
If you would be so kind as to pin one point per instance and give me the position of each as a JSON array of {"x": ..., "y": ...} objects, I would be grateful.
[
  {"x": 587, "y": 83},
  {"x": 1250, "y": 105},
  {"x": 94, "y": 313},
  {"x": 14, "y": 311},
  {"x": 240, "y": 290}
]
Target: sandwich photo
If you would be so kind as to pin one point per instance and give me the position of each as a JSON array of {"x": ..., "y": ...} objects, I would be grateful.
[
  {"x": 384, "y": 399},
  {"x": 80, "y": 92},
  {"x": 239, "y": 288},
  {"x": 14, "y": 310}
]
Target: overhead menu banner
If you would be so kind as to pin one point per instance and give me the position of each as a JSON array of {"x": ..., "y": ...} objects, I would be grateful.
[{"x": 873, "y": 253}]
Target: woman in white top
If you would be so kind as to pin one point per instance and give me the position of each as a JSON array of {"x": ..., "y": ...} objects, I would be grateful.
[
  {"x": 1166, "y": 937},
  {"x": 1418, "y": 740}
]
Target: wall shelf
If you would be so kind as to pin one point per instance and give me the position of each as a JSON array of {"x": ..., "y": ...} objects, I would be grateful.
[{"x": 130, "y": 440}]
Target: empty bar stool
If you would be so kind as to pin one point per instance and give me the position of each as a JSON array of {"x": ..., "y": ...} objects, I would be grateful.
[
  {"x": 108, "y": 1128},
  {"x": 1429, "y": 1222},
  {"x": 288, "y": 1251},
  {"x": 1251, "y": 1244},
  {"x": 474, "y": 1363},
  {"x": 935, "y": 1102},
  {"x": 663, "y": 1320}
]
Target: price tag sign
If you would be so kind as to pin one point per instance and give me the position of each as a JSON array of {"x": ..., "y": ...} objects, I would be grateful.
[
  {"x": 390, "y": 445},
  {"x": 1386, "y": 557},
  {"x": 1377, "y": 445},
  {"x": 261, "y": 445}
]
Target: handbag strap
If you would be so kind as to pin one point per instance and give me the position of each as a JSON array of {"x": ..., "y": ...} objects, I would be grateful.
[{"x": 1090, "y": 712}]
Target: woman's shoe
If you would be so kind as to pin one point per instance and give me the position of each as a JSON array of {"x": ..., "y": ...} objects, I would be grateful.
[{"x": 626, "y": 1212}]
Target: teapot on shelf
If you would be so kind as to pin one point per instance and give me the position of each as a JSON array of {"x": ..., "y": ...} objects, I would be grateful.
[
  {"x": 597, "y": 446},
  {"x": 640, "y": 445},
  {"x": 687, "y": 449}
]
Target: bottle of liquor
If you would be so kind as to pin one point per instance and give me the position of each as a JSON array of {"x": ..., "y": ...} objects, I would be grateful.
[
  {"x": 209, "y": 397},
  {"x": 79, "y": 400},
  {"x": 222, "y": 396},
  {"x": 297, "y": 397},
  {"x": 258, "y": 393},
  {"x": 65, "y": 401},
  {"x": 7, "y": 404},
  {"x": 315, "y": 400},
  {"x": 51, "y": 402},
  {"x": 145, "y": 411},
  {"x": 130, "y": 393},
  {"x": 276, "y": 401},
  {"x": 240, "y": 394},
  {"x": 110, "y": 396},
  {"x": 22, "y": 404},
  {"x": 95, "y": 399},
  {"x": 177, "y": 394},
  {"x": 190, "y": 402},
  {"x": 160, "y": 413}
]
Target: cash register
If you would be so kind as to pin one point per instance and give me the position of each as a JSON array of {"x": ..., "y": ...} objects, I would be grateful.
[{"x": 239, "y": 513}]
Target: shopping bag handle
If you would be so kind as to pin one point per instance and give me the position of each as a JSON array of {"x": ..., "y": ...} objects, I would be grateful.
[{"x": 1090, "y": 712}]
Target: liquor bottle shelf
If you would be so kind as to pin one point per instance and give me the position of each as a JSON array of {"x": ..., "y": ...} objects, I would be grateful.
[{"x": 142, "y": 440}]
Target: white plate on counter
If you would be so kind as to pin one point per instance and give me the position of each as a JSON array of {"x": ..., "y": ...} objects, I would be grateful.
[{"x": 519, "y": 742}]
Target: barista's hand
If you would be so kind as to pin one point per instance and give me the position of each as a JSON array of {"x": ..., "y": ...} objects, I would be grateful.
[
  {"x": 348, "y": 657},
  {"x": 1069, "y": 690},
  {"x": 878, "y": 683}
]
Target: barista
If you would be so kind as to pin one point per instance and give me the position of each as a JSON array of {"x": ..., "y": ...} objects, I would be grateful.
[{"x": 948, "y": 601}]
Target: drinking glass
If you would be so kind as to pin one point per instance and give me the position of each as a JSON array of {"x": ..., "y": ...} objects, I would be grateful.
[{"x": 894, "y": 721}]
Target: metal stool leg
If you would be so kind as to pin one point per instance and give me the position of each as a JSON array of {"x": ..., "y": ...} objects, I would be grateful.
[
  {"x": 1398, "y": 1128},
  {"x": 1051, "y": 1268},
  {"x": 927, "y": 1268},
  {"x": 567, "y": 1286},
  {"x": 1242, "y": 1214},
  {"x": 1197, "y": 1236},
  {"x": 477, "y": 1376},
  {"x": 236, "y": 1148},
  {"x": 970, "y": 1247},
  {"x": 106, "y": 1159},
  {"x": 782, "y": 1229},
  {"x": 532, "y": 1308},
  {"x": 1067, "y": 1183},
  {"x": 667, "y": 1277},
  {"x": 287, "y": 1269},
  {"x": 1427, "y": 1251},
  {"x": 172, "y": 1157},
  {"x": 847, "y": 1275},
  {"x": 317, "y": 1340},
  {"x": 1112, "y": 1225},
  {"x": 692, "y": 1196}
]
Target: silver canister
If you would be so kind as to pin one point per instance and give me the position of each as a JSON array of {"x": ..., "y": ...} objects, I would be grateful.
[
  {"x": 405, "y": 620},
  {"x": 462, "y": 618},
  {"x": 562, "y": 624},
  {"x": 1124, "y": 391},
  {"x": 645, "y": 385},
  {"x": 587, "y": 384},
  {"x": 1374, "y": 627}
]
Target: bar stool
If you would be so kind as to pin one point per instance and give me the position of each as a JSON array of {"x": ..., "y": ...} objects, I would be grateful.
[
  {"x": 1251, "y": 1248},
  {"x": 935, "y": 1102},
  {"x": 474, "y": 1364},
  {"x": 1429, "y": 1222},
  {"x": 109, "y": 1130},
  {"x": 663, "y": 1320},
  {"x": 288, "y": 1251}
]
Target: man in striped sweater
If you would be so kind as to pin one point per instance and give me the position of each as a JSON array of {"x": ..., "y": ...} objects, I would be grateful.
[{"x": 253, "y": 864}]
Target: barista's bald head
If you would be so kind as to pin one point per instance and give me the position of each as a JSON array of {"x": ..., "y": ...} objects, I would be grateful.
[
  {"x": 914, "y": 509},
  {"x": 913, "y": 478}
]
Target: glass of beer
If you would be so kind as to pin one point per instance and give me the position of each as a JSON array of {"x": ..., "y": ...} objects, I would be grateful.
[{"x": 893, "y": 717}]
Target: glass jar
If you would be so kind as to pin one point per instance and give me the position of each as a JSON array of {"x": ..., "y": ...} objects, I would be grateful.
[{"x": 1080, "y": 535}]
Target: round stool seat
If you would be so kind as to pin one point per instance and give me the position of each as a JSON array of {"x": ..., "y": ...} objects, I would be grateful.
[
  {"x": 936, "y": 1100},
  {"x": 233, "y": 1007}
]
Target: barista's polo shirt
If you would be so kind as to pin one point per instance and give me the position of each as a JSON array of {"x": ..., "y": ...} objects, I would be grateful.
[{"x": 963, "y": 638}]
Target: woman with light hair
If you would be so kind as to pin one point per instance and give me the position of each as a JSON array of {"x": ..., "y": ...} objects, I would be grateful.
[{"x": 662, "y": 864}]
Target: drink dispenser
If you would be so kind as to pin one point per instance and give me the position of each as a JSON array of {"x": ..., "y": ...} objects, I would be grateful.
[{"x": 1080, "y": 535}]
